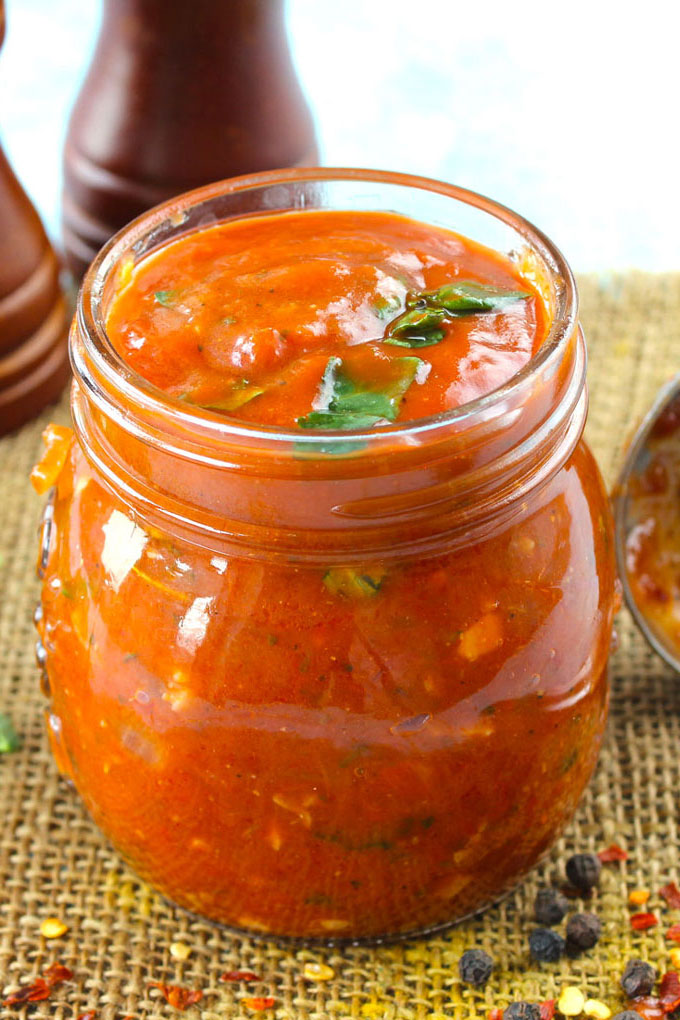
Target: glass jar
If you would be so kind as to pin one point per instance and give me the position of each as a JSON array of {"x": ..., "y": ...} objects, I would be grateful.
[{"x": 329, "y": 686}]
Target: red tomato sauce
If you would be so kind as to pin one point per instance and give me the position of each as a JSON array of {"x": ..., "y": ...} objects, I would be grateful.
[
  {"x": 243, "y": 317},
  {"x": 653, "y": 544},
  {"x": 334, "y": 750}
]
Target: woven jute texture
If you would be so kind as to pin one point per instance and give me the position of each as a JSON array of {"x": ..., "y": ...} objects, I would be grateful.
[{"x": 54, "y": 862}]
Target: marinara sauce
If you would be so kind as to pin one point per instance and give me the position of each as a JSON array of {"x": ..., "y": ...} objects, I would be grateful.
[{"x": 327, "y": 574}]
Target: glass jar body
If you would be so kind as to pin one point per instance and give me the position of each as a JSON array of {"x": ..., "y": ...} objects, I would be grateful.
[
  {"x": 332, "y": 686},
  {"x": 348, "y": 753}
]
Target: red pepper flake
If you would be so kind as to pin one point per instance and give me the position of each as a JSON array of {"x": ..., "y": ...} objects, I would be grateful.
[
  {"x": 547, "y": 1009},
  {"x": 40, "y": 989},
  {"x": 648, "y": 1007},
  {"x": 180, "y": 998},
  {"x": 673, "y": 933},
  {"x": 258, "y": 1003},
  {"x": 495, "y": 1014},
  {"x": 56, "y": 974},
  {"x": 35, "y": 992},
  {"x": 612, "y": 853},
  {"x": 669, "y": 991},
  {"x": 90, "y": 1015},
  {"x": 643, "y": 921},
  {"x": 240, "y": 975},
  {"x": 671, "y": 894}
]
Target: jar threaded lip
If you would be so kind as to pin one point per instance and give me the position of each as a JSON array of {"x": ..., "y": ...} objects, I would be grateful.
[{"x": 143, "y": 234}]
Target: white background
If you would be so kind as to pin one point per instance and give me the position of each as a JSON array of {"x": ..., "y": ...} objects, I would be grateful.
[{"x": 568, "y": 113}]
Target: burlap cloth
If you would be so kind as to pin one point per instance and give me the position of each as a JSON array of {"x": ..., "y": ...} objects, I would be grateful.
[{"x": 53, "y": 861}]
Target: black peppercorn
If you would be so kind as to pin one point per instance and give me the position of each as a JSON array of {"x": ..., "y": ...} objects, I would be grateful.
[
  {"x": 583, "y": 931},
  {"x": 550, "y": 906},
  {"x": 628, "y": 1014},
  {"x": 583, "y": 870},
  {"x": 522, "y": 1011},
  {"x": 545, "y": 945},
  {"x": 638, "y": 978},
  {"x": 475, "y": 967}
]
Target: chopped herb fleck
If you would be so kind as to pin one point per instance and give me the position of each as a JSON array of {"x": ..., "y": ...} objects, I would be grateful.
[
  {"x": 384, "y": 307},
  {"x": 9, "y": 739},
  {"x": 353, "y": 584},
  {"x": 166, "y": 298}
]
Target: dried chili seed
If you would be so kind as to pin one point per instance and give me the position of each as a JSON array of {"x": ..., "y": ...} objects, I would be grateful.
[
  {"x": 547, "y": 1009},
  {"x": 546, "y": 945},
  {"x": 53, "y": 928},
  {"x": 318, "y": 972},
  {"x": 597, "y": 1009},
  {"x": 611, "y": 854},
  {"x": 177, "y": 996},
  {"x": 638, "y": 897},
  {"x": 583, "y": 931},
  {"x": 673, "y": 933},
  {"x": 180, "y": 950},
  {"x": 571, "y": 1001},
  {"x": 669, "y": 991},
  {"x": 583, "y": 870},
  {"x": 550, "y": 906},
  {"x": 671, "y": 894},
  {"x": 240, "y": 975},
  {"x": 258, "y": 1003},
  {"x": 475, "y": 967},
  {"x": 638, "y": 978},
  {"x": 522, "y": 1011},
  {"x": 642, "y": 922}
]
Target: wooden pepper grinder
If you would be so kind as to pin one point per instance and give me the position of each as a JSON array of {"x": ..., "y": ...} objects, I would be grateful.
[
  {"x": 178, "y": 94},
  {"x": 33, "y": 311}
]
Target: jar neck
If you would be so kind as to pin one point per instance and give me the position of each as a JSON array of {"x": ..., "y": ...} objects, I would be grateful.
[
  {"x": 406, "y": 489},
  {"x": 411, "y": 490}
]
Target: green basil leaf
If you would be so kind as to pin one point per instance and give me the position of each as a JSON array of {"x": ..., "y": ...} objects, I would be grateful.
[
  {"x": 238, "y": 394},
  {"x": 417, "y": 328},
  {"x": 416, "y": 340},
  {"x": 349, "y": 404},
  {"x": 419, "y": 320},
  {"x": 385, "y": 307},
  {"x": 9, "y": 740},
  {"x": 166, "y": 298},
  {"x": 236, "y": 398},
  {"x": 339, "y": 420},
  {"x": 467, "y": 296},
  {"x": 308, "y": 451}
]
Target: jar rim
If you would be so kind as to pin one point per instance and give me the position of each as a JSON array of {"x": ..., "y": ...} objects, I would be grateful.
[{"x": 111, "y": 370}]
